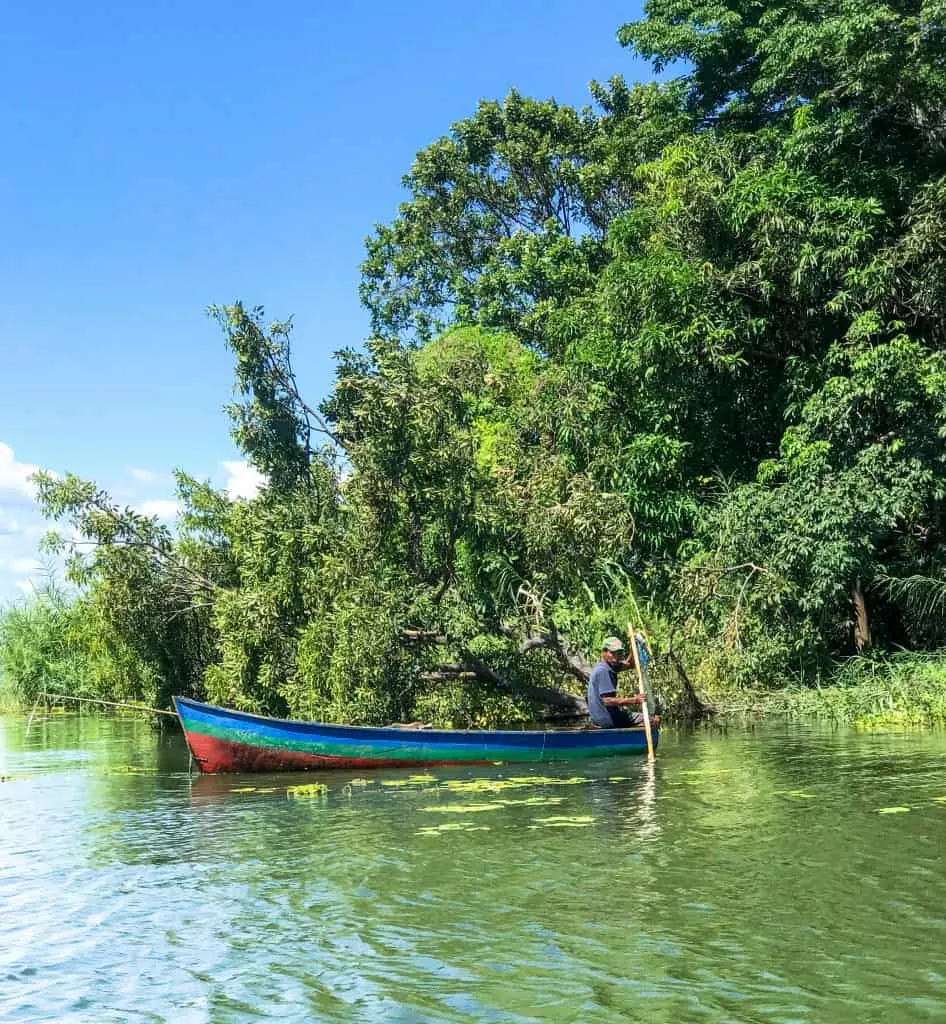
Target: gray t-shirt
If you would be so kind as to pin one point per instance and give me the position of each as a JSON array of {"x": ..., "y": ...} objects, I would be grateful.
[{"x": 603, "y": 683}]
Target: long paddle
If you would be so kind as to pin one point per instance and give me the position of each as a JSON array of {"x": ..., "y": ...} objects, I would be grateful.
[{"x": 632, "y": 640}]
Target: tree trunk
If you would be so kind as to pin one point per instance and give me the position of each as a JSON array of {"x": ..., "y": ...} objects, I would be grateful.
[
  {"x": 547, "y": 695},
  {"x": 551, "y": 697},
  {"x": 861, "y": 623},
  {"x": 689, "y": 707}
]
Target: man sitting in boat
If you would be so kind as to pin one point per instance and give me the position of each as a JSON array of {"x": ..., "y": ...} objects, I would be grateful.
[{"x": 605, "y": 707}]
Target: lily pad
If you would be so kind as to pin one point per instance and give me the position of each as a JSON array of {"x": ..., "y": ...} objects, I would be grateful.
[
  {"x": 453, "y": 826},
  {"x": 515, "y": 782},
  {"x": 532, "y": 801},
  {"x": 546, "y": 780},
  {"x": 313, "y": 789},
  {"x": 579, "y": 821},
  {"x": 480, "y": 785},
  {"x": 462, "y": 808}
]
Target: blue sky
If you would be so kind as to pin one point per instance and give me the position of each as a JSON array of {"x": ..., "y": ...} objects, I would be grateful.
[{"x": 160, "y": 158}]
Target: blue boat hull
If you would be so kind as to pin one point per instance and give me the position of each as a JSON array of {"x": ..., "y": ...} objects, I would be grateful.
[{"x": 222, "y": 740}]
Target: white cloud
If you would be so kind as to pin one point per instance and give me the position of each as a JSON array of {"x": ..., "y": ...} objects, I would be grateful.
[
  {"x": 8, "y": 525},
  {"x": 15, "y": 476},
  {"x": 243, "y": 481},
  {"x": 25, "y": 565},
  {"x": 160, "y": 507},
  {"x": 22, "y": 569},
  {"x": 144, "y": 476}
]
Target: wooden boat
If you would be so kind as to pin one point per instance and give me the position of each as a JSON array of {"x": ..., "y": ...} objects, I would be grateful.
[{"x": 234, "y": 741}]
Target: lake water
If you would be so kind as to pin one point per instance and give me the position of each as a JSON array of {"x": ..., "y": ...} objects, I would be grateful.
[{"x": 776, "y": 874}]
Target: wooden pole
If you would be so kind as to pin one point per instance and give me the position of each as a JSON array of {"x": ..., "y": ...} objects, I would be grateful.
[
  {"x": 632, "y": 640},
  {"x": 648, "y": 647},
  {"x": 110, "y": 703}
]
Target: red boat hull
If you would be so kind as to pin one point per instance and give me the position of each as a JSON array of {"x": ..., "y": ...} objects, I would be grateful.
[{"x": 216, "y": 755}]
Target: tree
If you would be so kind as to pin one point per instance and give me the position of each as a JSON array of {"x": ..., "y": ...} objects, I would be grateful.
[
  {"x": 148, "y": 596},
  {"x": 508, "y": 213},
  {"x": 273, "y": 424}
]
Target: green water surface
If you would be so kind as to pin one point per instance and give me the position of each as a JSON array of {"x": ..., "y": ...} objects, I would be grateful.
[{"x": 776, "y": 874}]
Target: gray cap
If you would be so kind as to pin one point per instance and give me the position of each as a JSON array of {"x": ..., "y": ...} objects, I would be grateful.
[{"x": 613, "y": 644}]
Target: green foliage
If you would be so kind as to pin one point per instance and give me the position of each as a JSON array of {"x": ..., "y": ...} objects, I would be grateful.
[
  {"x": 923, "y": 598},
  {"x": 54, "y": 643},
  {"x": 492, "y": 223},
  {"x": 903, "y": 689},
  {"x": 508, "y": 212},
  {"x": 284, "y": 548},
  {"x": 273, "y": 424},
  {"x": 862, "y": 81},
  {"x": 141, "y": 591}
]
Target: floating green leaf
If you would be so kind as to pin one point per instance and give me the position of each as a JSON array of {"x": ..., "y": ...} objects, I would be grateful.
[
  {"x": 544, "y": 780},
  {"x": 480, "y": 785},
  {"x": 532, "y": 801},
  {"x": 410, "y": 780},
  {"x": 708, "y": 773},
  {"x": 462, "y": 808},
  {"x": 313, "y": 789},
  {"x": 453, "y": 826},
  {"x": 579, "y": 821}
]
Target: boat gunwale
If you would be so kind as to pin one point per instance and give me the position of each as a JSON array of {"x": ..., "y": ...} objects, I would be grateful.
[{"x": 233, "y": 712}]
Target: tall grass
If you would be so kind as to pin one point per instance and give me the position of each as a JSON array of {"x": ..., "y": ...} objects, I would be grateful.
[
  {"x": 35, "y": 652},
  {"x": 54, "y": 642},
  {"x": 904, "y": 688}
]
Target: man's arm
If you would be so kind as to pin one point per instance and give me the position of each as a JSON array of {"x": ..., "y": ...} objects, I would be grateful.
[{"x": 613, "y": 701}]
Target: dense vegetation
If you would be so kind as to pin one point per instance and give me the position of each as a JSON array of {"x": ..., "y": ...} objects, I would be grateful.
[{"x": 685, "y": 345}]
